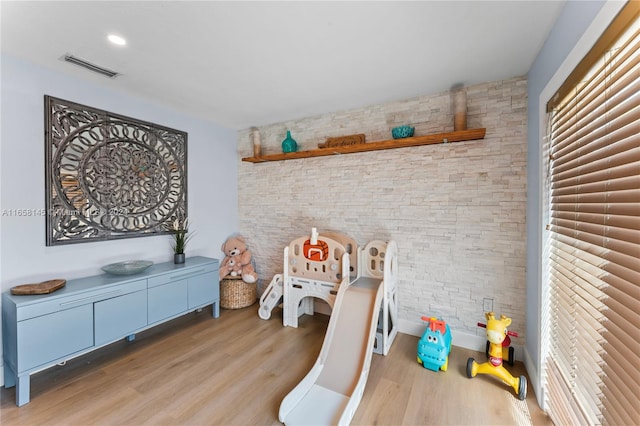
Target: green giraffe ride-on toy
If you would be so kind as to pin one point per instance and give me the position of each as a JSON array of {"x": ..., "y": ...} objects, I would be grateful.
[{"x": 496, "y": 334}]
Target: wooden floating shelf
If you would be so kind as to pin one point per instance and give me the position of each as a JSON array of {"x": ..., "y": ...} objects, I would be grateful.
[{"x": 459, "y": 136}]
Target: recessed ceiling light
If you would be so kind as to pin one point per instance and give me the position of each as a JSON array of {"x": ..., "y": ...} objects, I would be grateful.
[{"x": 116, "y": 40}]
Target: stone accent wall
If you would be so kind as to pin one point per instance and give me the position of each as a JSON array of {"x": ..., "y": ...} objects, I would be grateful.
[{"x": 457, "y": 211}]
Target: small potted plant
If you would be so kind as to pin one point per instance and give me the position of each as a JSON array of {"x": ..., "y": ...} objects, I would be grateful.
[{"x": 179, "y": 230}]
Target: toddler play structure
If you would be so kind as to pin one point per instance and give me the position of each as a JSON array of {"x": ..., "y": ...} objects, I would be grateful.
[
  {"x": 360, "y": 285},
  {"x": 496, "y": 333}
]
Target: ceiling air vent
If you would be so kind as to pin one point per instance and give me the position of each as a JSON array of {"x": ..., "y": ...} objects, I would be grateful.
[{"x": 90, "y": 66}]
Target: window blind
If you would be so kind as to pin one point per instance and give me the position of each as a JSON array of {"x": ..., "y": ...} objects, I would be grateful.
[{"x": 592, "y": 361}]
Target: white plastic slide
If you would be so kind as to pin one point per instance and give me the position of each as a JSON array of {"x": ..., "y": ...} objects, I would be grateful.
[{"x": 331, "y": 392}]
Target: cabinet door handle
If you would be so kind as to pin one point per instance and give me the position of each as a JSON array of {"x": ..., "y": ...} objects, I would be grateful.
[
  {"x": 188, "y": 274},
  {"x": 92, "y": 298}
]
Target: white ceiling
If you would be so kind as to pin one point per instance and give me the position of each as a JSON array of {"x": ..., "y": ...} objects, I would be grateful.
[{"x": 241, "y": 64}]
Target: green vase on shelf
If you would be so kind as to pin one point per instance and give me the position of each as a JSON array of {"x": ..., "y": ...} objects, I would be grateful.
[{"x": 289, "y": 144}]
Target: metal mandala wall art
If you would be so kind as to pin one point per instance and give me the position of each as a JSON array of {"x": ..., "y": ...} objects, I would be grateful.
[{"x": 110, "y": 176}]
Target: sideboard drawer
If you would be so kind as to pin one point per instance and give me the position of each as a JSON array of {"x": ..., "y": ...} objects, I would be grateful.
[
  {"x": 119, "y": 316},
  {"x": 58, "y": 304},
  {"x": 53, "y": 336},
  {"x": 202, "y": 291},
  {"x": 165, "y": 301},
  {"x": 182, "y": 274}
]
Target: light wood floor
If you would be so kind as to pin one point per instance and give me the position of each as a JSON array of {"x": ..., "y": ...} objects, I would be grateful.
[{"x": 235, "y": 370}]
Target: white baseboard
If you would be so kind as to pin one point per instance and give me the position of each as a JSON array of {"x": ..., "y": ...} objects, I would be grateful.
[{"x": 534, "y": 378}]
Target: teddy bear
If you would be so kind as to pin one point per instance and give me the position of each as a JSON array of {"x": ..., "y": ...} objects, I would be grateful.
[
  {"x": 230, "y": 266},
  {"x": 237, "y": 260}
]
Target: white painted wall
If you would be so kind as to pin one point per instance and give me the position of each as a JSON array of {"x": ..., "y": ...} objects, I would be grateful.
[{"x": 24, "y": 258}]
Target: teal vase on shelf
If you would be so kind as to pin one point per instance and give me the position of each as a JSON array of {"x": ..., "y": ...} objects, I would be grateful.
[{"x": 289, "y": 144}]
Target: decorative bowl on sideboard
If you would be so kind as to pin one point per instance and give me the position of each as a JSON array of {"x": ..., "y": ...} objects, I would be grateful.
[{"x": 128, "y": 267}]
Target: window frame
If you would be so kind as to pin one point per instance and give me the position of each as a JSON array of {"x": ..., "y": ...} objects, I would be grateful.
[{"x": 590, "y": 37}]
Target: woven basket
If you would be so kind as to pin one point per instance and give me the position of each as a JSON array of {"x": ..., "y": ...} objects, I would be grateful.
[{"x": 236, "y": 294}]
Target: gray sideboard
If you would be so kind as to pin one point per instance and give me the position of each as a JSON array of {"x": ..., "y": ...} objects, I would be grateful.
[{"x": 40, "y": 331}]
